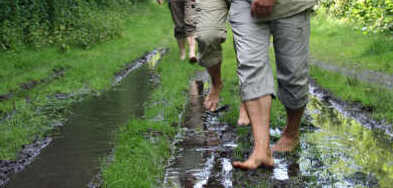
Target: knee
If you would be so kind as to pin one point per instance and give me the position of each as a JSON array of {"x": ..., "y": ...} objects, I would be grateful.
[{"x": 210, "y": 38}]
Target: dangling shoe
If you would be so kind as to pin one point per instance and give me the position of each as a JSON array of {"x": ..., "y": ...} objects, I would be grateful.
[{"x": 193, "y": 60}]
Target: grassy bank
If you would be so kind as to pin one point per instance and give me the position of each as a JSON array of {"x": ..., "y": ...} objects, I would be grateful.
[
  {"x": 340, "y": 44},
  {"x": 85, "y": 71}
]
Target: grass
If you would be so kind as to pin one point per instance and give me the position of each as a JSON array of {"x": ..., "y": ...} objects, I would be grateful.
[
  {"x": 82, "y": 68},
  {"x": 142, "y": 145},
  {"x": 340, "y": 44},
  {"x": 378, "y": 100}
]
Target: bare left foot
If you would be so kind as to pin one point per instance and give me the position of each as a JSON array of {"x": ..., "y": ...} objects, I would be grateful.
[
  {"x": 257, "y": 159},
  {"x": 243, "y": 120},
  {"x": 212, "y": 99},
  {"x": 286, "y": 143}
]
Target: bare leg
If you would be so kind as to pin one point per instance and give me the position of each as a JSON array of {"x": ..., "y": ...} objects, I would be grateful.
[
  {"x": 243, "y": 115},
  {"x": 213, "y": 97},
  {"x": 191, "y": 44},
  {"x": 259, "y": 111},
  {"x": 290, "y": 136},
  {"x": 181, "y": 44}
]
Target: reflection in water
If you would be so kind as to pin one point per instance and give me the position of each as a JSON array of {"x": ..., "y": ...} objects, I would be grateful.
[
  {"x": 353, "y": 154},
  {"x": 337, "y": 152},
  {"x": 73, "y": 158},
  {"x": 199, "y": 159}
]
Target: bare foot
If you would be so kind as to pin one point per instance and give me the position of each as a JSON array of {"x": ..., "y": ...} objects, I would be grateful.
[
  {"x": 256, "y": 160},
  {"x": 182, "y": 56},
  {"x": 286, "y": 143},
  {"x": 213, "y": 97},
  {"x": 243, "y": 120}
]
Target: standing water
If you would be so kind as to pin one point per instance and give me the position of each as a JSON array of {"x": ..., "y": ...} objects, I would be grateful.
[
  {"x": 74, "y": 157},
  {"x": 335, "y": 151}
]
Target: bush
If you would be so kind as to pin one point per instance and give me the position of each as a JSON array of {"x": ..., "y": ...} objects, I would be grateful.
[
  {"x": 370, "y": 15},
  {"x": 40, "y": 23}
]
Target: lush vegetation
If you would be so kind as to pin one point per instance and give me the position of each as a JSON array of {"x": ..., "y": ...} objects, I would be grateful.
[
  {"x": 64, "y": 23},
  {"x": 369, "y": 15}
]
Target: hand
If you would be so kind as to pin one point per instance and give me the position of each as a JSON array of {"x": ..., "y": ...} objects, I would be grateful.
[
  {"x": 160, "y": 2},
  {"x": 262, "y": 8}
]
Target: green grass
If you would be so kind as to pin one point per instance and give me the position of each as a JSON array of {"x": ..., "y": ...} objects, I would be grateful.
[
  {"x": 86, "y": 71},
  {"x": 340, "y": 44}
]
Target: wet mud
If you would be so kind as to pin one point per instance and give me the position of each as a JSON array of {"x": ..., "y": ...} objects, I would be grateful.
[
  {"x": 72, "y": 156},
  {"x": 354, "y": 110},
  {"x": 25, "y": 158},
  {"x": 335, "y": 150},
  {"x": 373, "y": 77},
  {"x": 23, "y": 87}
]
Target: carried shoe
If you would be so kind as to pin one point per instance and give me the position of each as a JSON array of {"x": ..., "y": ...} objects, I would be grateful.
[{"x": 193, "y": 60}]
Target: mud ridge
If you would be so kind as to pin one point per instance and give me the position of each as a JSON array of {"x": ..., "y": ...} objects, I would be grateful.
[
  {"x": 8, "y": 168},
  {"x": 57, "y": 73},
  {"x": 25, "y": 157},
  {"x": 152, "y": 57},
  {"x": 353, "y": 110},
  {"x": 382, "y": 79}
]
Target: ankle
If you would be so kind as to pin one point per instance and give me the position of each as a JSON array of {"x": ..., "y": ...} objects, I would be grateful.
[{"x": 291, "y": 133}]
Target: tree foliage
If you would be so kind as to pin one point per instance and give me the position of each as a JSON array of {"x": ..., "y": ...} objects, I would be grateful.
[
  {"x": 64, "y": 22},
  {"x": 370, "y": 15}
]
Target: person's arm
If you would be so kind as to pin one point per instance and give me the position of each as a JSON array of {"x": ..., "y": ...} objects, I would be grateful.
[{"x": 262, "y": 8}]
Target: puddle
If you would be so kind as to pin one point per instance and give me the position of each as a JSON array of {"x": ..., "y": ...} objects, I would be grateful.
[
  {"x": 201, "y": 149},
  {"x": 73, "y": 157},
  {"x": 335, "y": 151}
]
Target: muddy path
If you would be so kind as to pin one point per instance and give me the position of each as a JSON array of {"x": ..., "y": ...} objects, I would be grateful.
[
  {"x": 73, "y": 154},
  {"x": 335, "y": 151},
  {"x": 372, "y": 77}
]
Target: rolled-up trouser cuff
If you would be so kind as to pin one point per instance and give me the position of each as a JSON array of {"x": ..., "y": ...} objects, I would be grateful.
[
  {"x": 209, "y": 46},
  {"x": 211, "y": 31},
  {"x": 293, "y": 100},
  {"x": 252, "y": 92}
]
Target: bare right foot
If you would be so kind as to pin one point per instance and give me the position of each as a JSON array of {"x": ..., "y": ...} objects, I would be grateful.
[
  {"x": 288, "y": 142},
  {"x": 213, "y": 97},
  {"x": 243, "y": 120},
  {"x": 258, "y": 158}
]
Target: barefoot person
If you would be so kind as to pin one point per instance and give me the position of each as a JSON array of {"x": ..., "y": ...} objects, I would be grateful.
[
  {"x": 183, "y": 12},
  {"x": 211, "y": 33},
  {"x": 288, "y": 22}
]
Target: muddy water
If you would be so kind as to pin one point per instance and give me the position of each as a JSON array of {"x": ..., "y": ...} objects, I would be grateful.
[
  {"x": 335, "y": 151},
  {"x": 74, "y": 156}
]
